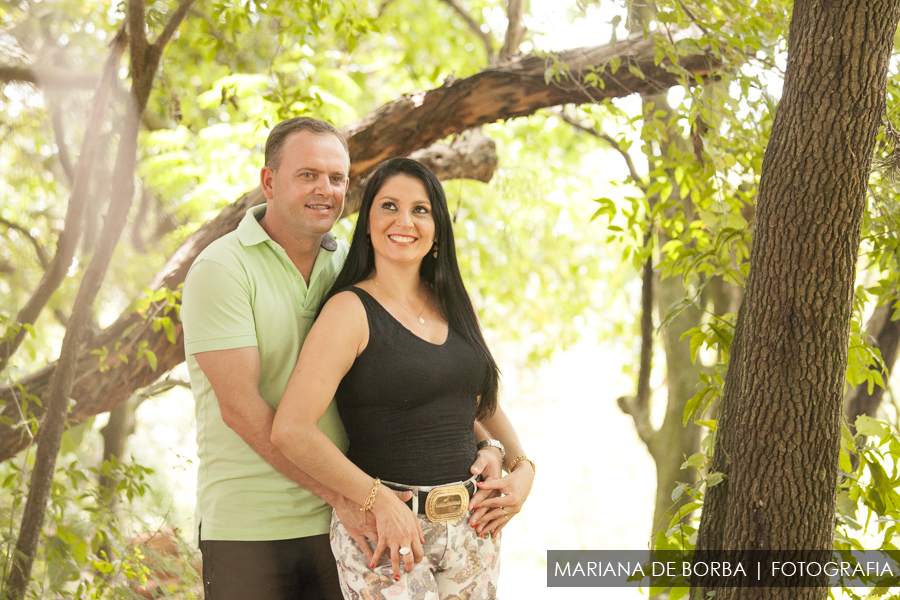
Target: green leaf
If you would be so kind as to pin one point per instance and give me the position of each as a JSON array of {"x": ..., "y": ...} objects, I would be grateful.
[
  {"x": 682, "y": 512},
  {"x": 869, "y": 427},
  {"x": 714, "y": 479},
  {"x": 170, "y": 329},
  {"x": 614, "y": 64},
  {"x": 695, "y": 460},
  {"x": 151, "y": 358},
  {"x": 679, "y": 592},
  {"x": 846, "y": 465}
]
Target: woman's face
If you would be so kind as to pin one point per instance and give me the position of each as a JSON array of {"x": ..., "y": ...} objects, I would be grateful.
[{"x": 400, "y": 221}]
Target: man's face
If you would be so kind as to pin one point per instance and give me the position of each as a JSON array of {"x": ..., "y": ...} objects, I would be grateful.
[{"x": 306, "y": 194}]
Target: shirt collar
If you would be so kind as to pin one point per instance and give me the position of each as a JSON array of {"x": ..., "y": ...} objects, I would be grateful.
[{"x": 250, "y": 232}]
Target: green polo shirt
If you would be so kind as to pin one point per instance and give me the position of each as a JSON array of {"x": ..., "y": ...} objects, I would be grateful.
[{"x": 244, "y": 291}]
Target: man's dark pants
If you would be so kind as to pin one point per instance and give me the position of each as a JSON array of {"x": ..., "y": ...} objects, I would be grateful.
[{"x": 270, "y": 570}]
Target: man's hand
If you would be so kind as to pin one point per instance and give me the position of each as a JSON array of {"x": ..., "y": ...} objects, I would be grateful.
[
  {"x": 489, "y": 465},
  {"x": 361, "y": 525}
]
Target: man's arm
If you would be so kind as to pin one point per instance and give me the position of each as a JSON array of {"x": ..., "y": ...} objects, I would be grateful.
[{"x": 234, "y": 376}]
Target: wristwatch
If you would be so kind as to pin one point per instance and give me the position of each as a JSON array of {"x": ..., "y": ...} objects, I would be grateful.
[{"x": 494, "y": 444}]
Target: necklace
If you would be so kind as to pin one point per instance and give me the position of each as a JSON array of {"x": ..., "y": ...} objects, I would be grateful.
[{"x": 418, "y": 316}]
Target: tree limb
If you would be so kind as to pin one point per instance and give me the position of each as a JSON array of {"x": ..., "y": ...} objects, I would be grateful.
[
  {"x": 68, "y": 238},
  {"x": 397, "y": 129},
  {"x": 474, "y": 26},
  {"x": 48, "y": 77},
  {"x": 638, "y": 407},
  {"x": 638, "y": 180},
  {"x": 515, "y": 30},
  {"x": 184, "y": 7},
  {"x": 39, "y": 250},
  {"x": 515, "y": 88},
  {"x": 60, "y": 135},
  {"x": 144, "y": 62}
]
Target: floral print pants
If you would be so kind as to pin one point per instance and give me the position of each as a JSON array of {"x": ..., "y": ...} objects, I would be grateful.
[{"x": 458, "y": 565}]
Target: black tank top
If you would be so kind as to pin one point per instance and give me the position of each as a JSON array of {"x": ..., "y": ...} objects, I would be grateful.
[{"x": 409, "y": 405}]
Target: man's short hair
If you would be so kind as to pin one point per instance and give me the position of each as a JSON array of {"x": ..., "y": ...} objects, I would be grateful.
[{"x": 280, "y": 133}]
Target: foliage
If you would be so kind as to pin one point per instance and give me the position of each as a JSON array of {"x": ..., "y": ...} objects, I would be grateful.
[{"x": 87, "y": 551}]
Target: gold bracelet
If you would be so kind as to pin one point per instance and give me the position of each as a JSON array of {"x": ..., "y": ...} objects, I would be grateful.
[
  {"x": 371, "y": 499},
  {"x": 518, "y": 459}
]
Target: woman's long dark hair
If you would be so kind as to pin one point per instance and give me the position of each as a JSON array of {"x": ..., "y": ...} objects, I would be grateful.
[{"x": 441, "y": 273}]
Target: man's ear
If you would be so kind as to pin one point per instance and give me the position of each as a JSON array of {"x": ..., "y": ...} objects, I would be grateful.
[{"x": 266, "y": 180}]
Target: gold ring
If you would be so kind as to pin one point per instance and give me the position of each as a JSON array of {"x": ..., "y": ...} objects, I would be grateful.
[{"x": 505, "y": 514}]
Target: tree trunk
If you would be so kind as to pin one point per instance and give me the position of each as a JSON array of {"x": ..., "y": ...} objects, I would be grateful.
[
  {"x": 674, "y": 441},
  {"x": 144, "y": 63},
  {"x": 75, "y": 212},
  {"x": 779, "y": 431},
  {"x": 512, "y": 89},
  {"x": 115, "y": 434}
]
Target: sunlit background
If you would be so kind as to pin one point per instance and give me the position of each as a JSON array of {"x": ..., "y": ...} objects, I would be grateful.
[{"x": 595, "y": 481}]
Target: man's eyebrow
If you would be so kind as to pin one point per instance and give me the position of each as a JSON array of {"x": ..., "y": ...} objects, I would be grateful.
[{"x": 315, "y": 170}]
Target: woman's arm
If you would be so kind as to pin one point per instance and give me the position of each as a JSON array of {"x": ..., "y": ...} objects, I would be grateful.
[
  {"x": 515, "y": 487},
  {"x": 338, "y": 336}
]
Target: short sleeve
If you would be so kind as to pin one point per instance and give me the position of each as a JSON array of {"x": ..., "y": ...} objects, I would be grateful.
[{"x": 216, "y": 309}]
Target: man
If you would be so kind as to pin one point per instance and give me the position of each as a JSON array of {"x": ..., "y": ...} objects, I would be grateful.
[{"x": 248, "y": 303}]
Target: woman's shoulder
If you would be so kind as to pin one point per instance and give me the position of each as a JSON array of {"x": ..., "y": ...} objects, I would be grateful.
[
  {"x": 344, "y": 304},
  {"x": 358, "y": 290}
]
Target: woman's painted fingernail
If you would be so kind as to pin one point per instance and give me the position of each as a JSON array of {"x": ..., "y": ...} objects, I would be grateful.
[
  {"x": 372, "y": 566},
  {"x": 479, "y": 483},
  {"x": 396, "y": 578}
]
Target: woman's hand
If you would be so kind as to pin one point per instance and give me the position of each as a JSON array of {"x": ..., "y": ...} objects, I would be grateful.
[
  {"x": 493, "y": 513},
  {"x": 397, "y": 528}
]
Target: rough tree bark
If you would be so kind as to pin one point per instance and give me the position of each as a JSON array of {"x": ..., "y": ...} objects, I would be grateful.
[
  {"x": 415, "y": 121},
  {"x": 144, "y": 63},
  {"x": 779, "y": 428}
]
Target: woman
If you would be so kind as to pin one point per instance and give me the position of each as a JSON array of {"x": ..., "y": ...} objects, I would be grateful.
[{"x": 397, "y": 343}]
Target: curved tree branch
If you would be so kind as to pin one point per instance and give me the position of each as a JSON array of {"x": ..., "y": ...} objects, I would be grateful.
[
  {"x": 415, "y": 121},
  {"x": 63, "y": 150},
  {"x": 39, "y": 250},
  {"x": 474, "y": 26},
  {"x": 68, "y": 238},
  {"x": 638, "y": 180},
  {"x": 515, "y": 30},
  {"x": 48, "y": 77}
]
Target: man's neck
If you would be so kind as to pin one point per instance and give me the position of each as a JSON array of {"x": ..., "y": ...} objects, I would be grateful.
[{"x": 301, "y": 250}]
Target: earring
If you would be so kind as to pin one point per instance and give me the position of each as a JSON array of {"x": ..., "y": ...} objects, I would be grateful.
[{"x": 435, "y": 250}]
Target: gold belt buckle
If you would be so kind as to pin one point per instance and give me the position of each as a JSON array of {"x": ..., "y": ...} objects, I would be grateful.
[{"x": 446, "y": 503}]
